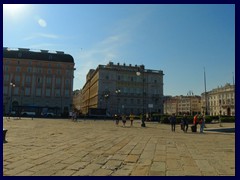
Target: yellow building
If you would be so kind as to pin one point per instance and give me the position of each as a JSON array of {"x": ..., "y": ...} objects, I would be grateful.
[
  {"x": 179, "y": 105},
  {"x": 120, "y": 89}
]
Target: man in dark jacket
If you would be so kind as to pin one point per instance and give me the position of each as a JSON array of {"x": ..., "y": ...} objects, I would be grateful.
[
  {"x": 172, "y": 120},
  {"x": 185, "y": 123}
]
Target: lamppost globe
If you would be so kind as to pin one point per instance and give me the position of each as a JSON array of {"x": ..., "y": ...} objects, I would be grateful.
[
  {"x": 118, "y": 91},
  {"x": 10, "y": 108},
  {"x": 138, "y": 73}
]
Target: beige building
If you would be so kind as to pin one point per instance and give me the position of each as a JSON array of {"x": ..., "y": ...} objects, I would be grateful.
[
  {"x": 120, "y": 89},
  {"x": 220, "y": 101},
  {"x": 170, "y": 105},
  {"x": 77, "y": 96},
  {"x": 37, "y": 81},
  {"x": 179, "y": 105}
]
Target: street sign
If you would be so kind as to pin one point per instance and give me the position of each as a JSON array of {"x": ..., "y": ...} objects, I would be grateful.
[{"x": 150, "y": 105}]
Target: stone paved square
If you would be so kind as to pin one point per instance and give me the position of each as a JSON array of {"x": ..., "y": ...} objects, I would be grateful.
[{"x": 61, "y": 147}]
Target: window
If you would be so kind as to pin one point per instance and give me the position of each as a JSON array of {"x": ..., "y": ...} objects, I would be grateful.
[
  {"x": 49, "y": 80},
  {"x": 38, "y": 91},
  {"x": 18, "y": 69},
  {"x": 67, "y": 82},
  {"x": 48, "y": 92},
  {"x": 57, "y": 92},
  {"x": 17, "y": 78},
  {"x": 49, "y": 71},
  {"x": 5, "y": 90},
  {"x": 29, "y": 69},
  {"x": 132, "y": 102},
  {"x": 58, "y": 80},
  {"x": 138, "y": 101},
  {"x": 27, "y": 91},
  {"x": 6, "y": 68},
  {"x": 16, "y": 89},
  {"x": 39, "y": 80},
  {"x": 66, "y": 92},
  {"x": 58, "y": 71},
  {"x": 28, "y": 79},
  {"x": 6, "y": 77}
]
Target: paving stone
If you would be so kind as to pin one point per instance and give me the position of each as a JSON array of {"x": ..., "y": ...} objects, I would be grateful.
[
  {"x": 140, "y": 171},
  {"x": 52, "y": 147},
  {"x": 132, "y": 158},
  {"x": 102, "y": 172}
]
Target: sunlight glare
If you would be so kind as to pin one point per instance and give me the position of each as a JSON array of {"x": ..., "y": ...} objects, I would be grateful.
[{"x": 13, "y": 9}]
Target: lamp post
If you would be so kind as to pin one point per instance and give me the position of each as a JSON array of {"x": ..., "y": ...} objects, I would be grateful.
[
  {"x": 106, "y": 96},
  {"x": 12, "y": 85},
  {"x": 220, "y": 112},
  {"x": 118, "y": 91},
  {"x": 138, "y": 73},
  {"x": 21, "y": 104}
]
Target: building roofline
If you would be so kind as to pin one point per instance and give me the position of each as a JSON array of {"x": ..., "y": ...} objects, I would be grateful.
[{"x": 43, "y": 55}]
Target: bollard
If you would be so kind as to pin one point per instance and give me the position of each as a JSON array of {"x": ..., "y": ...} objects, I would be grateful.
[{"x": 4, "y": 135}]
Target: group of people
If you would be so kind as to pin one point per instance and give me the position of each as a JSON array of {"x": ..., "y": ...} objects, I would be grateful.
[
  {"x": 124, "y": 119},
  {"x": 198, "y": 119}
]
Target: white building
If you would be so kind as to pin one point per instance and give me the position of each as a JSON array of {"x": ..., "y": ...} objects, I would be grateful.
[{"x": 220, "y": 101}]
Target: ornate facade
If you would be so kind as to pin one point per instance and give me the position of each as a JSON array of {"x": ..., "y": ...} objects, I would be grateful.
[
  {"x": 120, "y": 89},
  {"x": 220, "y": 101},
  {"x": 179, "y": 105},
  {"x": 37, "y": 79}
]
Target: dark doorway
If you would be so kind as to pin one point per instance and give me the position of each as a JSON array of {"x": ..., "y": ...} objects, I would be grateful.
[{"x": 228, "y": 111}]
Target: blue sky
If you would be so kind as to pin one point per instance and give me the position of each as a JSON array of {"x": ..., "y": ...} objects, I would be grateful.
[{"x": 179, "y": 39}]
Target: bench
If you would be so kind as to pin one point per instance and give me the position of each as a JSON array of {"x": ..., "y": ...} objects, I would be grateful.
[{"x": 4, "y": 135}]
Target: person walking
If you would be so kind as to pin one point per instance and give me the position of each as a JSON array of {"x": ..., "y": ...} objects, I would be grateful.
[
  {"x": 195, "y": 122},
  {"x": 117, "y": 119},
  {"x": 123, "y": 119},
  {"x": 185, "y": 123},
  {"x": 172, "y": 120},
  {"x": 202, "y": 124},
  {"x": 131, "y": 117}
]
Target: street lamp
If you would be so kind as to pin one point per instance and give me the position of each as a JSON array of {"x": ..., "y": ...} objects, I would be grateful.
[
  {"x": 12, "y": 85},
  {"x": 106, "y": 96},
  {"x": 138, "y": 73},
  {"x": 118, "y": 91},
  {"x": 220, "y": 112}
]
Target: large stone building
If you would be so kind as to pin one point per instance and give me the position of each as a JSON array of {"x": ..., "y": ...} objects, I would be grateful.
[
  {"x": 179, "y": 105},
  {"x": 77, "y": 100},
  {"x": 123, "y": 89},
  {"x": 220, "y": 101},
  {"x": 37, "y": 81}
]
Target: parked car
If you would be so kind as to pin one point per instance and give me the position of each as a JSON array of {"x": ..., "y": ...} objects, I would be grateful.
[
  {"x": 28, "y": 114},
  {"x": 48, "y": 114}
]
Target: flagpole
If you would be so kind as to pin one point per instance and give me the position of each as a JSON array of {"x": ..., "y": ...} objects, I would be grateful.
[
  {"x": 205, "y": 92},
  {"x": 233, "y": 78}
]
